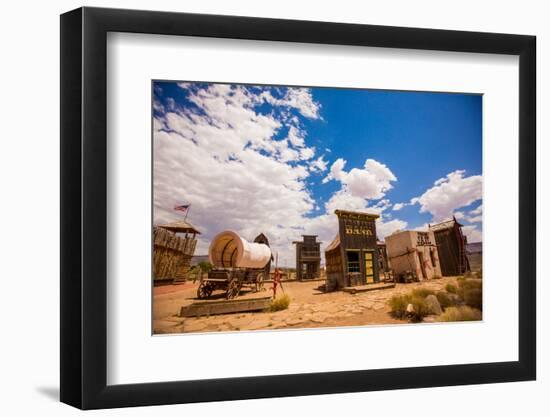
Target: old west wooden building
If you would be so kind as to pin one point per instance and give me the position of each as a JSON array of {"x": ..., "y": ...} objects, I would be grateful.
[
  {"x": 451, "y": 246},
  {"x": 308, "y": 258},
  {"x": 383, "y": 262},
  {"x": 173, "y": 248},
  {"x": 352, "y": 257}
]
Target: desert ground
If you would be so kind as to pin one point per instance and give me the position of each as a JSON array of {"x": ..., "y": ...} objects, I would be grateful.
[{"x": 308, "y": 308}]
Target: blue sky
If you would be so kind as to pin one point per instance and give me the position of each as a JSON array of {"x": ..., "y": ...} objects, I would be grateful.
[
  {"x": 413, "y": 157},
  {"x": 421, "y": 136}
]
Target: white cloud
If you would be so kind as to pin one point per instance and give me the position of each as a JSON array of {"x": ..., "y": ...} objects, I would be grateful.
[
  {"x": 171, "y": 103},
  {"x": 296, "y": 136},
  {"x": 222, "y": 157},
  {"x": 285, "y": 153},
  {"x": 450, "y": 193},
  {"x": 381, "y": 205},
  {"x": 307, "y": 153},
  {"x": 472, "y": 233},
  {"x": 318, "y": 165},
  {"x": 475, "y": 215},
  {"x": 477, "y": 211},
  {"x": 335, "y": 170},
  {"x": 422, "y": 228},
  {"x": 475, "y": 219},
  {"x": 370, "y": 182},
  {"x": 358, "y": 187},
  {"x": 228, "y": 160},
  {"x": 384, "y": 229},
  {"x": 345, "y": 200},
  {"x": 398, "y": 206},
  {"x": 157, "y": 106},
  {"x": 298, "y": 98},
  {"x": 459, "y": 215}
]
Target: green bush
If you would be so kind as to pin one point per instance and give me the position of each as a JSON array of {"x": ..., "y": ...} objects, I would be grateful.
[
  {"x": 280, "y": 303},
  {"x": 205, "y": 266},
  {"x": 422, "y": 292},
  {"x": 451, "y": 288},
  {"x": 444, "y": 299},
  {"x": 463, "y": 313}
]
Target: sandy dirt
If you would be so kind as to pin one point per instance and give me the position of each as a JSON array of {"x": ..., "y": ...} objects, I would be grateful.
[{"x": 308, "y": 308}]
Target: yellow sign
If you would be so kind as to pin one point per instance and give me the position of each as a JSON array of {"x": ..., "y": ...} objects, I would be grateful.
[
  {"x": 358, "y": 231},
  {"x": 354, "y": 215}
]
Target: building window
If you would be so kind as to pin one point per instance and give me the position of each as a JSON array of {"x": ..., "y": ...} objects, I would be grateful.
[{"x": 353, "y": 261}]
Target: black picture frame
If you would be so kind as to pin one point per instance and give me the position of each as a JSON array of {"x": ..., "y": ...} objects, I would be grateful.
[{"x": 84, "y": 207}]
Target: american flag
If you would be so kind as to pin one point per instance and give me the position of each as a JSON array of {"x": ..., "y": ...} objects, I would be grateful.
[{"x": 182, "y": 208}]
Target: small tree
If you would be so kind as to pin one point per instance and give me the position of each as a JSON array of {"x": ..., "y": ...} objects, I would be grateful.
[
  {"x": 205, "y": 266},
  {"x": 197, "y": 270}
]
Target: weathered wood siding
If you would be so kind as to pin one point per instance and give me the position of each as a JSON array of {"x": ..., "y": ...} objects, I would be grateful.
[
  {"x": 171, "y": 254},
  {"x": 357, "y": 235},
  {"x": 451, "y": 250}
]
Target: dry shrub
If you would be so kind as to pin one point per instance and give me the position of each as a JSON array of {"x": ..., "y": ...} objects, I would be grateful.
[
  {"x": 444, "y": 299},
  {"x": 471, "y": 283},
  {"x": 474, "y": 298},
  {"x": 470, "y": 290},
  {"x": 421, "y": 309},
  {"x": 463, "y": 313},
  {"x": 451, "y": 288},
  {"x": 280, "y": 303},
  {"x": 398, "y": 305},
  {"x": 422, "y": 292}
]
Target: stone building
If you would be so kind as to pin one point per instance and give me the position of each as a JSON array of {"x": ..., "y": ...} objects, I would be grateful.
[
  {"x": 352, "y": 257},
  {"x": 413, "y": 253},
  {"x": 308, "y": 258}
]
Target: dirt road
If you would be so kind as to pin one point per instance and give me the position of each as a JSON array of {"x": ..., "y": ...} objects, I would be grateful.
[{"x": 308, "y": 308}]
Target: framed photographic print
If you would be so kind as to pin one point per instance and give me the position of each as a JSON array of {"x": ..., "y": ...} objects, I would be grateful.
[{"x": 357, "y": 200}]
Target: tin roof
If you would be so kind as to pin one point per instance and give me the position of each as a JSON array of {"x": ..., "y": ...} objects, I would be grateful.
[
  {"x": 447, "y": 224},
  {"x": 334, "y": 244}
]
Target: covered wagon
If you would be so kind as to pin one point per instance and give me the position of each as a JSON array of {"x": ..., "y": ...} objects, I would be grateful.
[{"x": 236, "y": 263}]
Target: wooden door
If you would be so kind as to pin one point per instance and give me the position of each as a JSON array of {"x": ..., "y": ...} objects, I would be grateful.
[
  {"x": 422, "y": 265},
  {"x": 369, "y": 267}
]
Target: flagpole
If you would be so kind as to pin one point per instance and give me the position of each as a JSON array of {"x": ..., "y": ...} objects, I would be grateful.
[{"x": 187, "y": 212}]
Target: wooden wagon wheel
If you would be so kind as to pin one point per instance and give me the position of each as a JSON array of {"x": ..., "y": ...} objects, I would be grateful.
[
  {"x": 204, "y": 290},
  {"x": 233, "y": 288}
]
